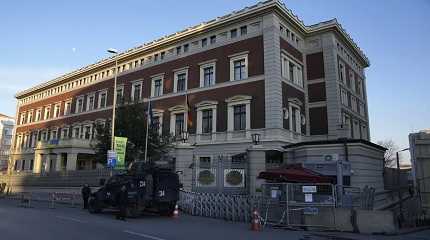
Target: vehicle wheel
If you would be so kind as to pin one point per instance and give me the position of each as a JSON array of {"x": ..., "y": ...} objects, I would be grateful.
[
  {"x": 133, "y": 211},
  {"x": 94, "y": 206},
  {"x": 166, "y": 209}
]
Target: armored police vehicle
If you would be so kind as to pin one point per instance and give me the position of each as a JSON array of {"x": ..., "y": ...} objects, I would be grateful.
[{"x": 149, "y": 188}]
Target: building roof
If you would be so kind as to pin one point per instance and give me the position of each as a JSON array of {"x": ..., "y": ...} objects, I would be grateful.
[
  {"x": 260, "y": 6},
  {"x": 336, "y": 141},
  {"x": 5, "y": 116}
]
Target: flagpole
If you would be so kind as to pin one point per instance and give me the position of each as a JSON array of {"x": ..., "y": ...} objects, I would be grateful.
[{"x": 147, "y": 128}]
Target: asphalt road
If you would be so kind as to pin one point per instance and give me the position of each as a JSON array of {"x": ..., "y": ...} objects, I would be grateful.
[{"x": 40, "y": 222}]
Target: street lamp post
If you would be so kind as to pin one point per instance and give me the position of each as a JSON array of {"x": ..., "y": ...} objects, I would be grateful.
[
  {"x": 399, "y": 192},
  {"x": 113, "y": 51}
]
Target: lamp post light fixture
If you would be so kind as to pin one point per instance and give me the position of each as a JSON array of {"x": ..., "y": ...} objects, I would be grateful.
[
  {"x": 115, "y": 52},
  {"x": 256, "y": 138},
  {"x": 184, "y": 136}
]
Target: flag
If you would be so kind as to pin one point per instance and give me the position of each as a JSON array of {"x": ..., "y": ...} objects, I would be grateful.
[{"x": 189, "y": 119}]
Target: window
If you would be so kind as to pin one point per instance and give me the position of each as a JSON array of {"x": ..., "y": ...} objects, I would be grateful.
[
  {"x": 80, "y": 105},
  {"x": 120, "y": 95},
  {"x": 361, "y": 109},
  {"x": 47, "y": 113},
  {"x": 239, "y": 113},
  {"x": 67, "y": 107},
  {"x": 233, "y": 33},
  {"x": 136, "y": 91},
  {"x": 22, "y": 120},
  {"x": 352, "y": 80},
  {"x": 180, "y": 81},
  {"x": 155, "y": 122},
  {"x": 204, "y": 42},
  {"x": 344, "y": 97},
  {"x": 186, "y": 47},
  {"x": 31, "y": 164},
  {"x": 359, "y": 88},
  {"x": 204, "y": 161},
  {"x": 90, "y": 102},
  {"x": 156, "y": 57},
  {"x": 102, "y": 99},
  {"x": 87, "y": 132},
  {"x": 206, "y": 118},
  {"x": 65, "y": 133},
  {"x": 30, "y": 116},
  {"x": 291, "y": 70},
  {"x": 178, "y": 50},
  {"x": 76, "y": 132},
  {"x": 353, "y": 103},
  {"x": 57, "y": 110},
  {"x": 207, "y": 121},
  {"x": 38, "y": 115},
  {"x": 157, "y": 87},
  {"x": 162, "y": 54},
  {"x": 243, "y": 30},
  {"x": 239, "y": 68},
  {"x": 208, "y": 76},
  {"x": 179, "y": 124},
  {"x": 213, "y": 39},
  {"x": 239, "y": 117},
  {"x": 341, "y": 72},
  {"x": 54, "y": 134}
]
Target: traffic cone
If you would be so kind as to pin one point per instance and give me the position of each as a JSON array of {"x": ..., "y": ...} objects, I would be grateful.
[
  {"x": 176, "y": 212},
  {"x": 255, "y": 224}
]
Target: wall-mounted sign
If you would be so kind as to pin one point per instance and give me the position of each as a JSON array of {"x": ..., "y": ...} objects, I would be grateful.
[{"x": 309, "y": 189}]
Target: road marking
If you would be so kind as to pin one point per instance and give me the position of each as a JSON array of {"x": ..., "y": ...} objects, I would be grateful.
[
  {"x": 71, "y": 219},
  {"x": 143, "y": 235}
]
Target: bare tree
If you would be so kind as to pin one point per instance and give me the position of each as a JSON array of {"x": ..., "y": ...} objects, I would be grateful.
[{"x": 390, "y": 154}]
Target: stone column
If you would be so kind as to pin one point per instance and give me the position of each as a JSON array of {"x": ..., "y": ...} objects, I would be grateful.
[
  {"x": 184, "y": 154},
  {"x": 72, "y": 159},
  {"x": 272, "y": 72},
  {"x": 256, "y": 164},
  {"x": 37, "y": 168},
  {"x": 58, "y": 164}
]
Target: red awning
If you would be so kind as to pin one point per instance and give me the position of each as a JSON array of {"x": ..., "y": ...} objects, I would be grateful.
[{"x": 294, "y": 173}]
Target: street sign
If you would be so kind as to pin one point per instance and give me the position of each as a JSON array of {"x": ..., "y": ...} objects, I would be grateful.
[
  {"x": 309, "y": 189},
  {"x": 111, "y": 159},
  {"x": 120, "y": 147}
]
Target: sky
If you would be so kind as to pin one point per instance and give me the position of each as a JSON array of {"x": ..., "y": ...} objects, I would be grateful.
[{"x": 40, "y": 40}]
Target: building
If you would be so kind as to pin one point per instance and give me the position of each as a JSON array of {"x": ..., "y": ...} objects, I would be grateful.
[
  {"x": 6, "y": 130},
  {"x": 258, "y": 70},
  {"x": 419, "y": 146}
]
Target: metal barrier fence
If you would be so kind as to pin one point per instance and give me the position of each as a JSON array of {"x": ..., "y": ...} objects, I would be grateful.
[
  {"x": 25, "y": 199},
  {"x": 299, "y": 205},
  {"x": 217, "y": 205},
  {"x": 281, "y": 204}
]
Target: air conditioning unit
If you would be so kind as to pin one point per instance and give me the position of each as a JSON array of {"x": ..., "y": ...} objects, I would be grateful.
[{"x": 331, "y": 157}]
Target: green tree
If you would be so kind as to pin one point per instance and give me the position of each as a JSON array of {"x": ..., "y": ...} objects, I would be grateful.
[{"x": 131, "y": 123}]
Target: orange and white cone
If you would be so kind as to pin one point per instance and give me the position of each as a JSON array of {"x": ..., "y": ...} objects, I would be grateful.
[
  {"x": 255, "y": 224},
  {"x": 176, "y": 211}
]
